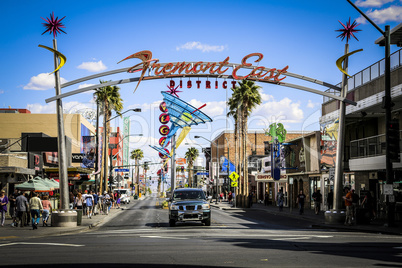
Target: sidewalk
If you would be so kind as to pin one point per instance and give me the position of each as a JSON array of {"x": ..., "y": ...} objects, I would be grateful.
[
  {"x": 317, "y": 221},
  {"x": 10, "y": 233}
]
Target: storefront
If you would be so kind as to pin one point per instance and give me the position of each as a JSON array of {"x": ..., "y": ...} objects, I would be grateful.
[{"x": 266, "y": 184}]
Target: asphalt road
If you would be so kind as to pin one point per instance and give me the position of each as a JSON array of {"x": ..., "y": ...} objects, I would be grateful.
[{"x": 141, "y": 237}]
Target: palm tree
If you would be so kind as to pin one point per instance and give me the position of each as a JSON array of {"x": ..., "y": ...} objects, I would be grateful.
[
  {"x": 108, "y": 99},
  {"x": 245, "y": 98},
  {"x": 137, "y": 154},
  {"x": 191, "y": 154}
]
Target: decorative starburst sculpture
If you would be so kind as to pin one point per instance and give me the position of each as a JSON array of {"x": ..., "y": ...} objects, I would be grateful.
[
  {"x": 53, "y": 25},
  {"x": 173, "y": 91},
  {"x": 348, "y": 30}
]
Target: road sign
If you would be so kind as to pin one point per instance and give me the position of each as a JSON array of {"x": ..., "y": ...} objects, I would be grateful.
[
  {"x": 233, "y": 184},
  {"x": 234, "y": 176},
  {"x": 202, "y": 173},
  {"x": 121, "y": 170}
]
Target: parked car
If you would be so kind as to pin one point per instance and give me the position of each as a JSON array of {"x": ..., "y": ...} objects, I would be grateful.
[{"x": 189, "y": 204}]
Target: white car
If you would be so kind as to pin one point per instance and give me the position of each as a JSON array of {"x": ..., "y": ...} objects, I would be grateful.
[{"x": 124, "y": 195}]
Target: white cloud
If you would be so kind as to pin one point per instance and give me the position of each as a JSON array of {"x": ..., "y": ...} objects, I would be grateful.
[
  {"x": 265, "y": 97},
  {"x": 372, "y": 3},
  {"x": 392, "y": 13},
  {"x": 42, "y": 81},
  {"x": 311, "y": 104},
  {"x": 200, "y": 46},
  {"x": 212, "y": 109},
  {"x": 92, "y": 66},
  {"x": 285, "y": 111}
]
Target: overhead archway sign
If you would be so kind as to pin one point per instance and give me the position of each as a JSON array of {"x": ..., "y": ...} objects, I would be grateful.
[{"x": 221, "y": 69}]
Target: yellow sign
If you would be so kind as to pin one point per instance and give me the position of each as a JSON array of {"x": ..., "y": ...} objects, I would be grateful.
[
  {"x": 233, "y": 184},
  {"x": 234, "y": 176}
]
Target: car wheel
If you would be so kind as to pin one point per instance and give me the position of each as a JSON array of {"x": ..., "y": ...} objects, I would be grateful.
[
  {"x": 207, "y": 222},
  {"x": 172, "y": 223}
]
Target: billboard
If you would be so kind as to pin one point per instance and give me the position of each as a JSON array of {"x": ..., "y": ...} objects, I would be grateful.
[{"x": 88, "y": 150}]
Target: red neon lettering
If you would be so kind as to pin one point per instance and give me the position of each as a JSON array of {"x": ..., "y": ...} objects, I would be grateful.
[
  {"x": 198, "y": 83},
  {"x": 216, "y": 84},
  {"x": 195, "y": 67},
  {"x": 172, "y": 83},
  {"x": 167, "y": 67},
  {"x": 221, "y": 64},
  {"x": 189, "y": 85},
  {"x": 225, "y": 84},
  {"x": 234, "y": 83},
  {"x": 181, "y": 84},
  {"x": 208, "y": 84},
  {"x": 155, "y": 67},
  {"x": 283, "y": 71},
  {"x": 245, "y": 64}
]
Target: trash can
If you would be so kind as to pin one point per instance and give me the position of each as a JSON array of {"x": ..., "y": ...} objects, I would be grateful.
[{"x": 79, "y": 216}]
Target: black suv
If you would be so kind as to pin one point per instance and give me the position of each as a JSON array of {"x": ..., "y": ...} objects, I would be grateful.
[{"x": 189, "y": 204}]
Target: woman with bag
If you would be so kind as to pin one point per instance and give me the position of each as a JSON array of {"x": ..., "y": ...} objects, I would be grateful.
[
  {"x": 3, "y": 206},
  {"x": 47, "y": 207}
]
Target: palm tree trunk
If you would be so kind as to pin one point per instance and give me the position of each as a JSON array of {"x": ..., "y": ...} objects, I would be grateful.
[{"x": 246, "y": 188}]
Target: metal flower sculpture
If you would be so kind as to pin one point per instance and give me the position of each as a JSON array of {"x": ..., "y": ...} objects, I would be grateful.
[
  {"x": 348, "y": 30},
  {"x": 53, "y": 25}
]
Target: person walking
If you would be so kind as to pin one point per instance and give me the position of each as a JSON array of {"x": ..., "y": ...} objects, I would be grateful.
[
  {"x": 280, "y": 198},
  {"x": 300, "y": 200},
  {"x": 230, "y": 197},
  {"x": 330, "y": 199},
  {"x": 13, "y": 207},
  {"x": 78, "y": 201},
  {"x": 106, "y": 203},
  {"x": 89, "y": 201},
  {"x": 3, "y": 207},
  {"x": 28, "y": 211},
  {"x": 266, "y": 199},
  {"x": 355, "y": 204},
  {"x": 35, "y": 204},
  {"x": 22, "y": 206},
  {"x": 250, "y": 199},
  {"x": 317, "y": 197},
  {"x": 47, "y": 207},
  {"x": 96, "y": 201},
  {"x": 348, "y": 203}
]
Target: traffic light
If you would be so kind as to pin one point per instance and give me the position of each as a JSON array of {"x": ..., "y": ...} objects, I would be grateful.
[
  {"x": 393, "y": 140},
  {"x": 182, "y": 168}
]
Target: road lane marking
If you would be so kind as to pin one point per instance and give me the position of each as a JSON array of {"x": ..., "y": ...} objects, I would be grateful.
[
  {"x": 163, "y": 237},
  {"x": 42, "y": 244}
]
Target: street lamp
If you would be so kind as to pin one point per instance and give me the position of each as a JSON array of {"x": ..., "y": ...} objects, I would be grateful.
[
  {"x": 105, "y": 142},
  {"x": 217, "y": 160}
]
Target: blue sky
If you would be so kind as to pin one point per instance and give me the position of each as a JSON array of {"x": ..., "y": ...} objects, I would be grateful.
[{"x": 300, "y": 34}]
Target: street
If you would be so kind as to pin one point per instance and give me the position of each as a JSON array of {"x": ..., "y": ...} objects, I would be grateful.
[{"x": 140, "y": 235}]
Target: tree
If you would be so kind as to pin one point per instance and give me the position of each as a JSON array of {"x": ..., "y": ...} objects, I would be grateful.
[
  {"x": 244, "y": 99},
  {"x": 108, "y": 99},
  {"x": 191, "y": 154},
  {"x": 137, "y": 155}
]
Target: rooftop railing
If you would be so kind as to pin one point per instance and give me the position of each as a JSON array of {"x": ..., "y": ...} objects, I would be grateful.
[
  {"x": 369, "y": 74},
  {"x": 369, "y": 147}
]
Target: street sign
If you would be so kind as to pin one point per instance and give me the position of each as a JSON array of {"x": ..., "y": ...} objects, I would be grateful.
[
  {"x": 202, "y": 173},
  {"x": 233, "y": 184},
  {"x": 121, "y": 170},
  {"x": 234, "y": 176}
]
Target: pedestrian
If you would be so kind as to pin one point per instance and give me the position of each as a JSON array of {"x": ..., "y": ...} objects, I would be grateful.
[
  {"x": 47, "y": 208},
  {"x": 300, "y": 200},
  {"x": 266, "y": 199},
  {"x": 118, "y": 200},
  {"x": 28, "y": 211},
  {"x": 13, "y": 207},
  {"x": 78, "y": 201},
  {"x": 84, "y": 202},
  {"x": 106, "y": 203},
  {"x": 368, "y": 203},
  {"x": 317, "y": 197},
  {"x": 89, "y": 201},
  {"x": 71, "y": 200},
  {"x": 3, "y": 207},
  {"x": 230, "y": 197},
  {"x": 355, "y": 204},
  {"x": 250, "y": 199},
  {"x": 35, "y": 204},
  {"x": 96, "y": 201},
  {"x": 330, "y": 199},
  {"x": 348, "y": 203},
  {"x": 220, "y": 197},
  {"x": 280, "y": 198},
  {"x": 22, "y": 206}
]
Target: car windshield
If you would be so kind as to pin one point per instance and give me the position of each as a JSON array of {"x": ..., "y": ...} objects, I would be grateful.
[{"x": 183, "y": 195}]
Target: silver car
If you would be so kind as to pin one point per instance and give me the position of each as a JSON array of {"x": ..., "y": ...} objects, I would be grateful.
[{"x": 189, "y": 204}]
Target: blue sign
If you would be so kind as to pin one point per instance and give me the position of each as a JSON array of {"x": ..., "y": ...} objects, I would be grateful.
[
  {"x": 121, "y": 169},
  {"x": 202, "y": 173}
]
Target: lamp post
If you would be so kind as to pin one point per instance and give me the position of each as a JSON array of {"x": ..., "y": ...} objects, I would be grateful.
[
  {"x": 105, "y": 143},
  {"x": 113, "y": 156},
  {"x": 217, "y": 160}
]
